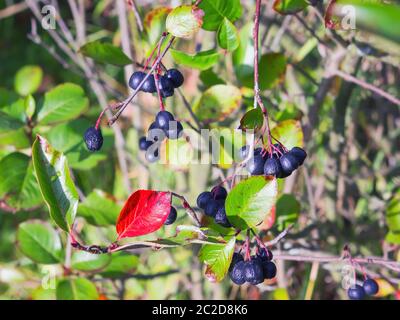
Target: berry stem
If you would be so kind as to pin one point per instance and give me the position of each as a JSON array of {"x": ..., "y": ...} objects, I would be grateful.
[
  {"x": 128, "y": 100},
  {"x": 257, "y": 98},
  {"x": 192, "y": 214}
]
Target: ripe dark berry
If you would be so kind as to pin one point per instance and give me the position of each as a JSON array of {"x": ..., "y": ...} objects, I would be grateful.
[
  {"x": 256, "y": 165},
  {"x": 174, "y": 130},
  {"x": 370, "y": 287},
  {"x": 272, "y": 167},
  {"x": 212, "y": 207},
  {"x": 265, "y": 254},
  {"x": 93, "y": 139},
  {"x": 149, "y": 85},
  {"x": 269, "y": 269},
  {"x": 176, "y": 77},
  {"x": 356, "y": 293},
  {"x": 221, "y": 217},
  {"x": 235, "y": 259},
  {"x": 171, "y": 217},
  {"x": 153, "y": 126},
  {"x": 237, "y": 274},
  {"x": 300, "y": 154},
  {"x": 144, "y": 144},
  {"x": 203, "y": 199},
  {"x": 166, "y": 87},
  {"x": 136, "y": 78},
  {"x": 163, "y": 118},
  {"x": 253, "y": 272},
  {"x": 152, "y": 155},
  {"x": 219, "y": 193},
  {"x": 289, "y": 163}
]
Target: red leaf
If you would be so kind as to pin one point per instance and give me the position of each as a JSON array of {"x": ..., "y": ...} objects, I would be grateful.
[{"x": 144, "y": 212}]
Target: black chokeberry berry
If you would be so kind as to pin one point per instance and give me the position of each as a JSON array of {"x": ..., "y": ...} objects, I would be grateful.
[
  {"x": 237, "y": 274},
  {"x": 203, "y": 199},
  {"x": 174, "y": 130},
  {"x": 278, "y": 153},
  {"x": 253, "y": 272},
  {"x": 144, "y": 144},
  {"x": 153, "y": 126},
  {"x": 163, "y": 118},
  {"x": 149, "y": 85},
  {"x": 371, "y": 287},
  {"x": 356, "y": 292},
  {"x": 176, "y": 77},
  {"x": 265, "y": 254},
  {"x": 236, "y": 257},
  {"x": 272, "y": 167},
  {"x": 219, "y": 193},
  {"x": 171, "y": 217},
  {"x": 269, "y": 269},
  {"x": 166, "y": 87},
  {"x": 221, "y": 218},
  {"x": 256, "y": 165},
  {"x": 212, "y": 207},
  {"x": 136, "y": 79},
  {"x": 300, "y": 154},
  {"x": 289, "y": 163},
  {"x": 93, "y": 139}
]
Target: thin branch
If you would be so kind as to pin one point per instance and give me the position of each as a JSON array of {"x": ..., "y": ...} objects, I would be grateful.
[
  {"x": 128, "y": 101},
  {"x": 367, "y": 86}
]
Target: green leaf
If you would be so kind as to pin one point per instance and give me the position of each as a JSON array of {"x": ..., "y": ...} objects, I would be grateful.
[
  {"x": 39, "y": 242},
  {"x": 287, "y": 211},
  {"x": 227, "y": 36},
  {"x": 64, "y": 102},
  {"x": 289, "y": 6},
  {"x": 99, "y": 209},
  {"x": 393, "y": 215},
  {"x": 18, "y": 185},
  {"x": 30, "y": 106},
  {"x": 252, "y": 120},
  {"x": 272, "y": 70},
  {"x": 289, "y": 133},
  {"x": 55, "y": 183},
  {"x": 201, "y": 60},
  {"x": 105, "y": 53},
  {"x": 122, "y": 263},
  {"x": 9, "y": 123},
  {"x": 28, "y": 79},
  {"x": 210, "y": 78},
  {"x": 76, "y": 289},
  {"x": 154, "y": 23},
  {"x": 216, "y": 10},
  {"x": 184, "y": 21},
  {"x": 373, "y": 16},
  {"x": 217, "y": 259},
  {"x": 250, "y": 201},
  {"x": 85, "y": 261},
  {"x": 217, "y": 103}
]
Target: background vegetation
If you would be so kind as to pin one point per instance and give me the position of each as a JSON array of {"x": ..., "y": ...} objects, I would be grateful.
[{"x": 335, "y": 90}]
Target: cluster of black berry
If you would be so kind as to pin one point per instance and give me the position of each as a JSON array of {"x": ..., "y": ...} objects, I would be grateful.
[
  {"x": 253, "y": 271},
  {"x": 167, "y": 83},
  {"x": 164, "y": 126},
  {"x": 213, "y": 205},
  {"x": 171, "y": 217},
  {"x": 280, "y": 163},
  {"x": 370, "y": 287}
]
